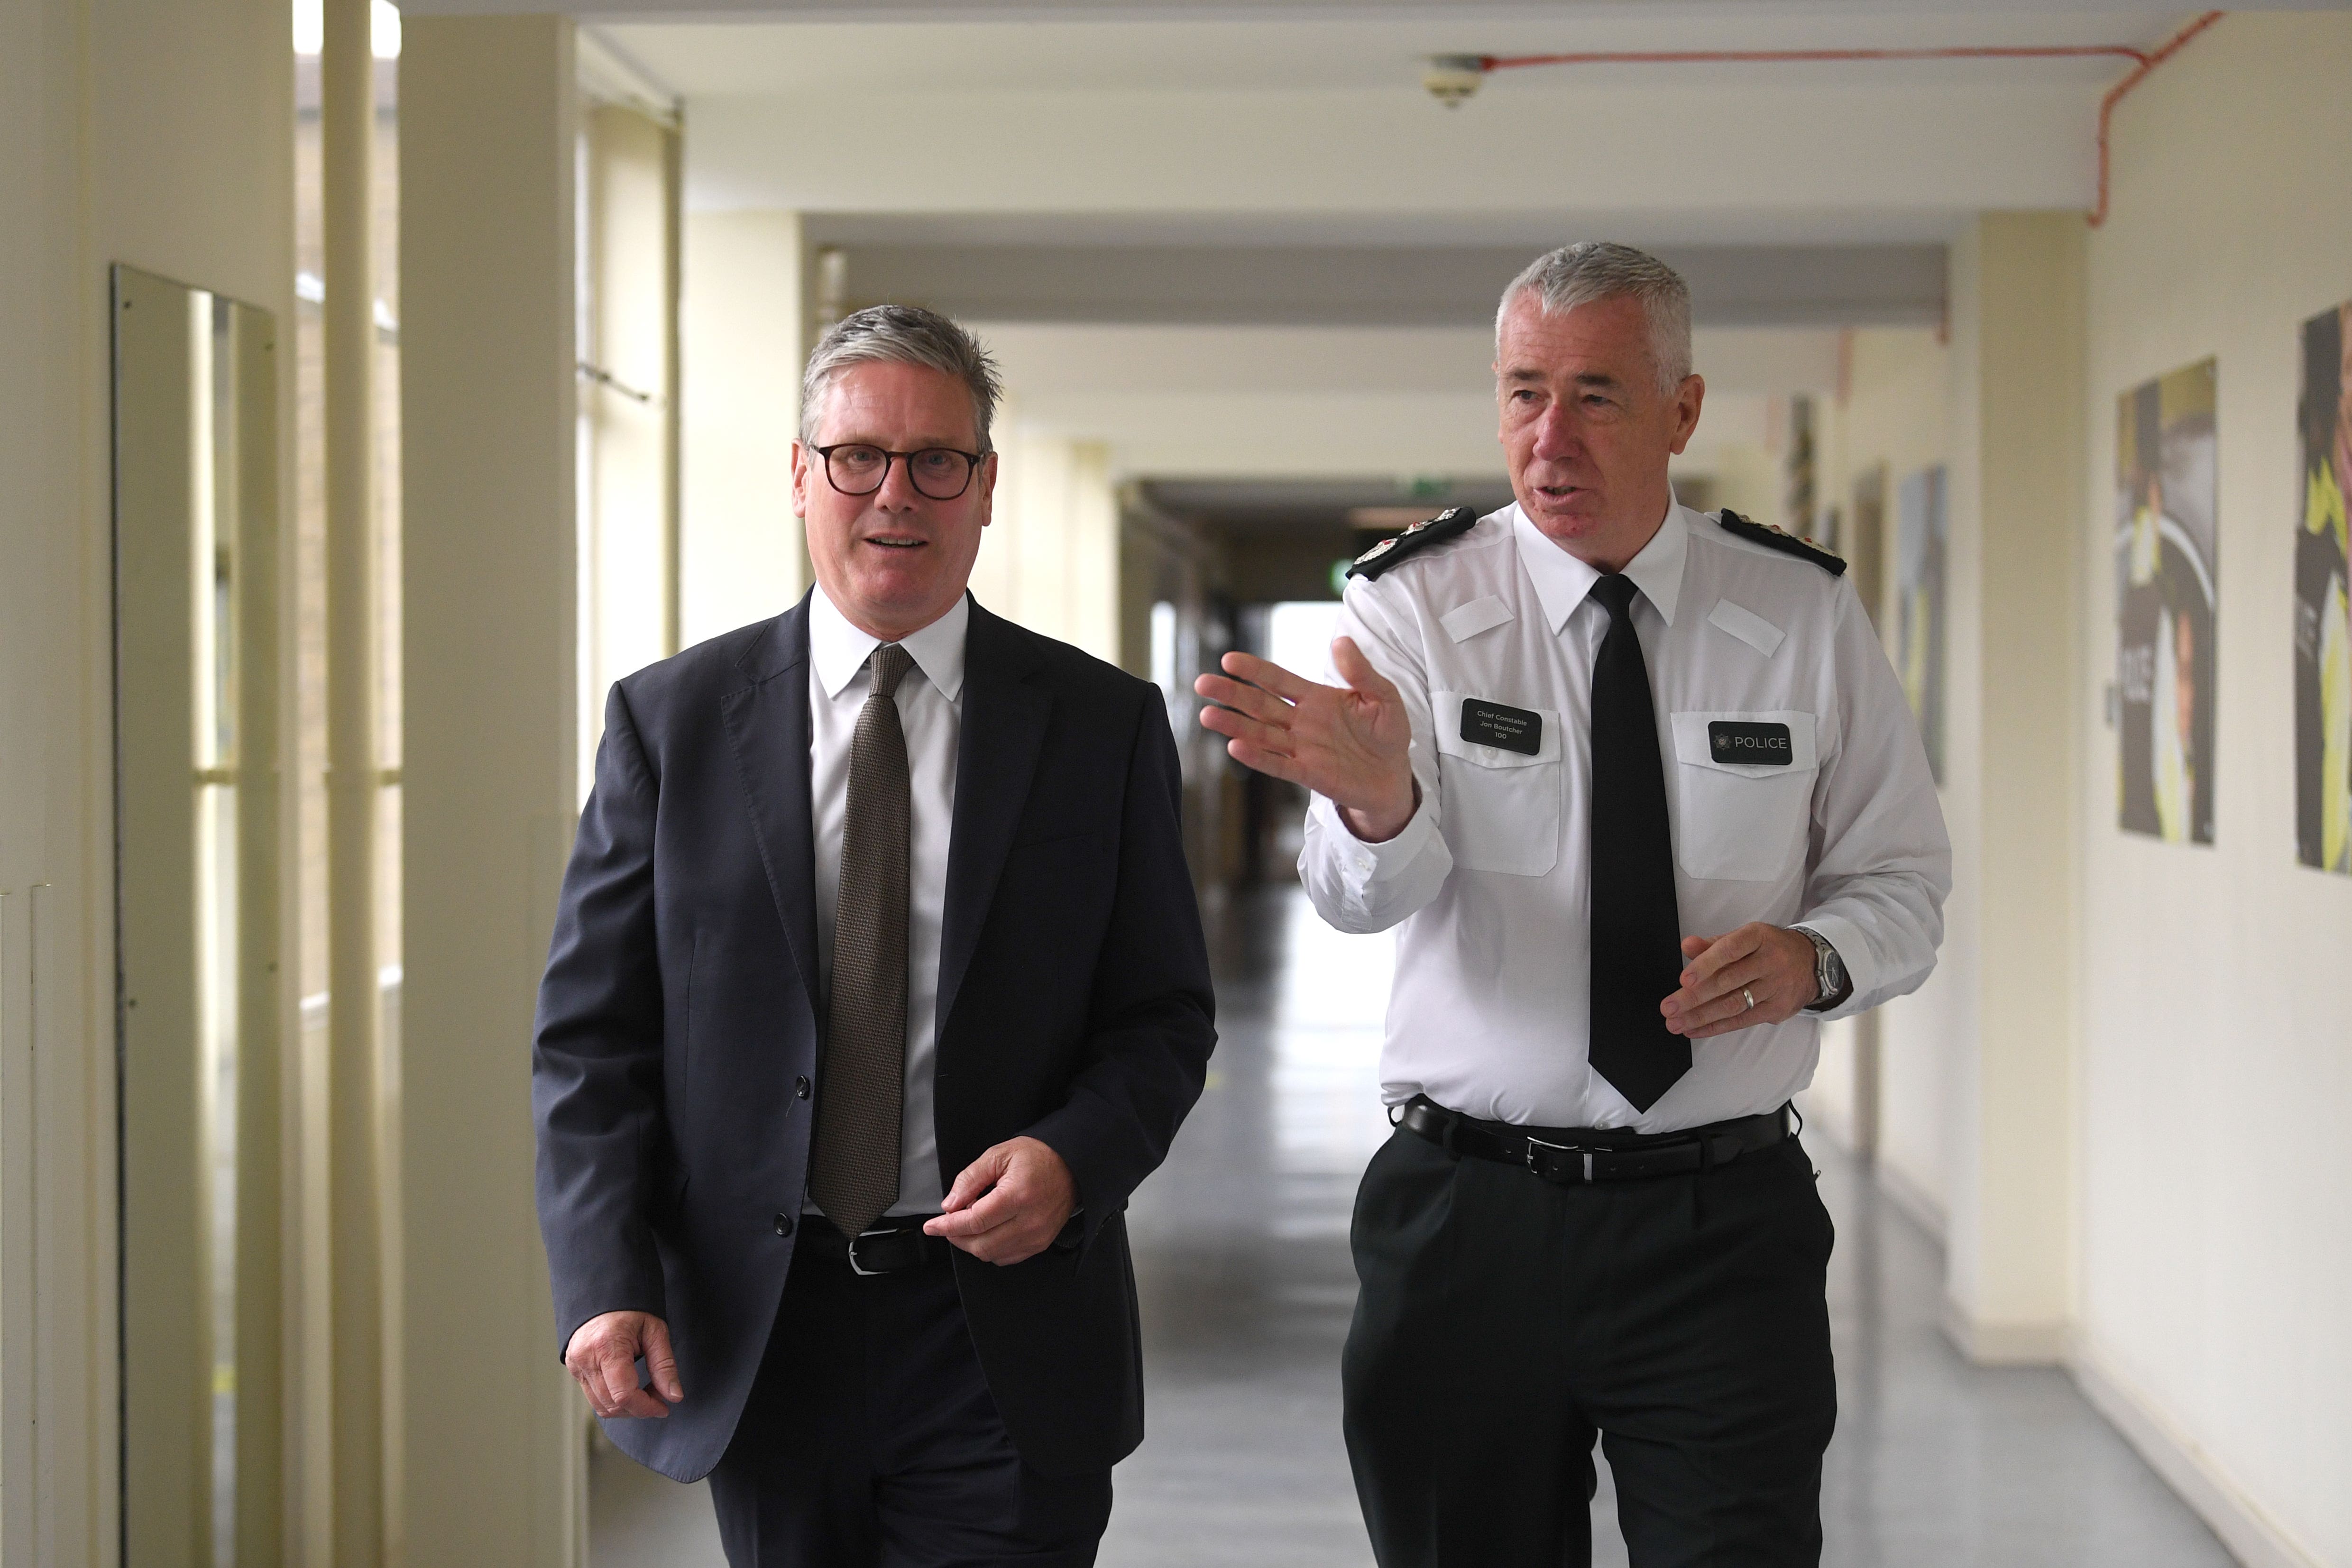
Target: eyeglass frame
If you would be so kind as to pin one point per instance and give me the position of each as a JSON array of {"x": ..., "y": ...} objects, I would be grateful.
[{"x": 971, "y": 462}]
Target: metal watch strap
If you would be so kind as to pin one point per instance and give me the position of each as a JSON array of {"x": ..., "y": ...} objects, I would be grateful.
[{"x": 1830, "y": 977}]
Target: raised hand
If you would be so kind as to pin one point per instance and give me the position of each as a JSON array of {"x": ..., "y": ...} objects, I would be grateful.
[{"x": 1351, "y": 743}]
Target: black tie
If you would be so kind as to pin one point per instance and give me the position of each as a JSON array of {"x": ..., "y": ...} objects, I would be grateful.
[{"x": 1637, "y": 958}]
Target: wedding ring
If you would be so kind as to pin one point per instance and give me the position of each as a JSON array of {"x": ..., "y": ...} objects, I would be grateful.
[{"x": 1748, "y": 996}]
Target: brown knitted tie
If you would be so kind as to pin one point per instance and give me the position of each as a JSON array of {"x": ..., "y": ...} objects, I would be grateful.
[{"x": 863, "y": 1077}]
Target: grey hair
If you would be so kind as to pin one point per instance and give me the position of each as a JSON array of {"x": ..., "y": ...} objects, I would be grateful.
[
  {"x": 1594, "y": 271},
  {"x": 904, "y": 335}
]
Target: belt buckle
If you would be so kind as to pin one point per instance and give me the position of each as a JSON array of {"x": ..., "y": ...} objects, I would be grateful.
[
  {"x": 854, "y": 1266},
  {"x": 1534, "y": 1164}
]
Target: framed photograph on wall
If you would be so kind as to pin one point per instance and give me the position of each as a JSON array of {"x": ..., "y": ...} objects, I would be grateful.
[
  {"x": 2323, "y": 623},
  {"x": 1920, "y": 536},
  {"x": 2167, "y": 495}
]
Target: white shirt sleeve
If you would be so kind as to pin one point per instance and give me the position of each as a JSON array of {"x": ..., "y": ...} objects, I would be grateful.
[
  {"x": 1359, "y": 887},
  {"x": 1882, "y": 860}
]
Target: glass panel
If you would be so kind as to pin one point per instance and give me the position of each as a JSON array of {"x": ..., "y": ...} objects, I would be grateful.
[
  {"x": 195, "y": 532},
  {"x": 626, "y": 430}
]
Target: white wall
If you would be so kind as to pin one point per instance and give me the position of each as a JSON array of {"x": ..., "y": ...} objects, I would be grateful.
[
  {"x": 2016, "y": 433},
  {"x": 1892, "y": 415},
  {"x": 739, "y": 549},
  {"x": 158, "y": 134},
  {"x": 2217, "y": 1049},
  {"x": 158, "y": 138},
  {"x": 1050, "y": 557},
  {"x": 52, "y": 697},
  {"x": 495, "y": 1434}
]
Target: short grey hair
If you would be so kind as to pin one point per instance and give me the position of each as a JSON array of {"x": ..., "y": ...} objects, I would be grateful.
[
  {"x": 1593, "y": 270},
  {"x": 904, "y": 335}
]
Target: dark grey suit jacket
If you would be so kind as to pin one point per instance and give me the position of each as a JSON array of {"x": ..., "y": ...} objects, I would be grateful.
[{"x": 680, "y": 1006}]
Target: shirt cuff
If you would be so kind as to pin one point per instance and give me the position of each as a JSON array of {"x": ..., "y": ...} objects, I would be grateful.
[{"x": 1362, "y": 864}]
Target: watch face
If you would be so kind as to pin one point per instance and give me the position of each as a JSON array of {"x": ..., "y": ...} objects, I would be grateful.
[{"x": 1829, "y": 970}]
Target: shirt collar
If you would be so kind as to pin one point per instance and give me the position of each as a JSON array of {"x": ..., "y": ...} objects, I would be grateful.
[
  {"x": 1561, "y": 581},
  {"x": 839, "y": 649}
]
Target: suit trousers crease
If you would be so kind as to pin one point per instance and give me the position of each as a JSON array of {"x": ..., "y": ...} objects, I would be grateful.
[
  {"x": 1503, "y": 1322},
  {"x": 871, "y": 1441}
]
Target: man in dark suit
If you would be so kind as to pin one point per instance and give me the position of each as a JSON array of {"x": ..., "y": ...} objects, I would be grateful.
[{"x": 877, "y": 985}]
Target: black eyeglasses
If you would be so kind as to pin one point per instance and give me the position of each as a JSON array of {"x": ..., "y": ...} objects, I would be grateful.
[{"x": 941, "y": 473}]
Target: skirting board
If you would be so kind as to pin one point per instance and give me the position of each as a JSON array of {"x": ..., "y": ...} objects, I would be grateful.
[
  {"x": 2007, "y": 1345},
  {"x": 2251, "y": 1535}
]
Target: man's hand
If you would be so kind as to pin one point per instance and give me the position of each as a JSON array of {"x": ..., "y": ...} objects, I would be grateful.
[
  {"x": 1774, "y": 964},
  {"x": 603, "y": 1359},
  {"x": 1352, "y": 743},
  {"x": 1008, "y": 1204}
]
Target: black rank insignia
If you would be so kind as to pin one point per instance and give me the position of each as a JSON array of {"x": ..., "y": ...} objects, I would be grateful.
[
  {"x": 1452, "y": 523},
  {"x": 1782, "y": 541}
]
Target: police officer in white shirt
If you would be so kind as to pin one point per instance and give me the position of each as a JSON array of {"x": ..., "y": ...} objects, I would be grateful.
[{"x": 1638, "y": 789}]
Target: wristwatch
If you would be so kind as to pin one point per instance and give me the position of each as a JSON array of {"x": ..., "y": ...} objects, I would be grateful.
[{"x": 1829, "y": 971}]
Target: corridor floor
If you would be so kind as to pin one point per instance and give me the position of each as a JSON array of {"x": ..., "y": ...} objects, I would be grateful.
[{"x": 1242, "y": 1258}]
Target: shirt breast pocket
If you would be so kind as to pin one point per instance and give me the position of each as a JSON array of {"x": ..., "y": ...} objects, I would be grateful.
[
  {"x": 1743, "y": 822},
  {"x": 1498, "y": 808}
]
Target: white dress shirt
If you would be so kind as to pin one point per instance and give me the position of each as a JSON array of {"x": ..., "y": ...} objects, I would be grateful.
[
  {"x": 1490, "y": 881},
  {"x": 930, "y": 710}
]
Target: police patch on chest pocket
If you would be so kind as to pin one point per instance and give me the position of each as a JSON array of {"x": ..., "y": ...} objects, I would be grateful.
[
  {"x": 1743, "y": 822},
  {"x": 1498, "y": 806}
]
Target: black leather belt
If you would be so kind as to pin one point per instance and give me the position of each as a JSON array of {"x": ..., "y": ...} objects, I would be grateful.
[
  {"x": 1574, "y": 1155},
  {"x": 893, "y": 1247}
]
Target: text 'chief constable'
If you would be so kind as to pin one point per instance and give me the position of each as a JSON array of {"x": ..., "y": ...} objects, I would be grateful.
[{"x": 1640, "y": 793}]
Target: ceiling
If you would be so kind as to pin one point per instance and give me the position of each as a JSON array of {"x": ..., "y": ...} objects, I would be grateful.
[
  {"x": 1223, "y": 174},
  {"x": 1225, "y": 49},
  {"x": 1008, "y": 144},
  {"x": 636, "y": 11}
]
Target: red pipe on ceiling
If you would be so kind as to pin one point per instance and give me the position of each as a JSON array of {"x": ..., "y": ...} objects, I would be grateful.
[
  {"x": 2115, "y": 95},
  {"x": 2143, "y": 62}
]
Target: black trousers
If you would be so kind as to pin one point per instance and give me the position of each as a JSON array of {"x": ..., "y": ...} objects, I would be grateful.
[
  {"x": 871, "y": 1442},
  {"x": 1504, "y": 1320}
]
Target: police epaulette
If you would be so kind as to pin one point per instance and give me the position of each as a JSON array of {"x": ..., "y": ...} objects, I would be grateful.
[
  {"x": 1452, "y": 523},
  {"x": 1786, "y": 543}
]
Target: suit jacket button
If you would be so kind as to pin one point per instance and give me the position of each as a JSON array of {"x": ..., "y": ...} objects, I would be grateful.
[
  {"x": 784, "y": 1225},
  {"x": 800, "y": 1087}
]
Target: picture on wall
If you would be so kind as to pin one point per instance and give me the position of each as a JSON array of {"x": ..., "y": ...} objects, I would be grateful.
[
  {"x": 1798, "y": 494},
  {"x": 2323, "y": 623},
  {"x": 1920, "y": 533},
  {"x": 2167, "y": 495}
]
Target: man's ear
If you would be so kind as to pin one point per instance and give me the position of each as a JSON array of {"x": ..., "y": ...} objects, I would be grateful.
[
  {"x": 801, "y": 455},
  {"x": 1688, "y": 399},
  {"x": 986, "y": 480}
]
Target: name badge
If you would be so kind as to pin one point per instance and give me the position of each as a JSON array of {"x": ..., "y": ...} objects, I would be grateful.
[
  {"x": 1752, "y": 745},
  {"x": 1511, "y": 728}
]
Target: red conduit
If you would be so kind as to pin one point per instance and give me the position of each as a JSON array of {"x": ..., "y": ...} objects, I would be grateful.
[
  {"x": 2116, "y": 96},
  {"x": 1786, "y": 56},
  {"x": 2143, "y": 61}
]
